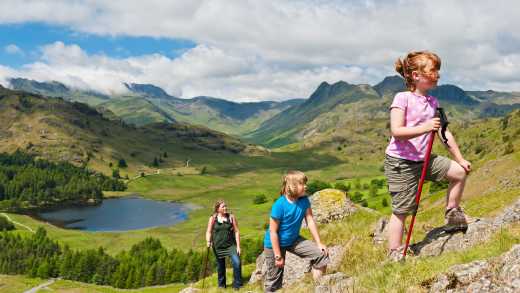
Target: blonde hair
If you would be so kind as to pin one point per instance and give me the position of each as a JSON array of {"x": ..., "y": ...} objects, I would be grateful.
[
  {"x": 416, "y": 61},
  {"x": 290, "y": 180}
]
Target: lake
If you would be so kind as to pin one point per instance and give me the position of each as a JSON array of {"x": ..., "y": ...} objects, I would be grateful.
[{"x": 118, "y": 214}]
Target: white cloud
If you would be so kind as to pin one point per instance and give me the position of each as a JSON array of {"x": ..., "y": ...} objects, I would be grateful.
[
  {"x": 244, "y": 44},
  {"x": 13, "y": 49},
  {"x": 203, "y": 70}
]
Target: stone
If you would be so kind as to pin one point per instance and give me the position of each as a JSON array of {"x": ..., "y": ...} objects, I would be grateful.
[
  {"x": 501, "y": 274},
  {"x": 438, "y": 241},
  {"x": 296, "y": 267},
  {"x": 330, "y": 205},
  {"x": 379, "y": 236},
  {"x": 335, "y": 283}
]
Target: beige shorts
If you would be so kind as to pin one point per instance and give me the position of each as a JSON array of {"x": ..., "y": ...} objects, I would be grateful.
[
  {"x": 303, "y": 248},
  {"x": 403, "y": 180}
]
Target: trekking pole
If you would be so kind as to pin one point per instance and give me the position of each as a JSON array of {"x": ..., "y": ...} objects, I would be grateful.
[
  {"x": 419, "y": 189},
  {"x": 205, "y": 268},
  {"x": 444, "y": 123}
]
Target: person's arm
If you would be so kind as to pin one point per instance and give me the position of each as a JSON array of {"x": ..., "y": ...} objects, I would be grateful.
[
  {"x": 314, "y": 230},
  {"x": 208, "y": 230},
  {"x": 275, "y": 241},
  {"x": 400, "y": 131},
  {"x": 454, "y": 150},
  {"x": 237, "y": 233}
]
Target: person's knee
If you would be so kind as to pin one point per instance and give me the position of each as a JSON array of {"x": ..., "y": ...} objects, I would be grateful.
[
  {"x": 456, "y": 173},
  {"x": 399, "y": 217}
]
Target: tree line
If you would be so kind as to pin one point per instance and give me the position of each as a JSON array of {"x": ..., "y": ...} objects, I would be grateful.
[
  {"x": 27, "y": 182},
  {"x": 147, "y": 263}
]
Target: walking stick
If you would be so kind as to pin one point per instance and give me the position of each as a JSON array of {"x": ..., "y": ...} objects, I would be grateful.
[
  {"x": 205, "y": 268},
  {"x": 444, "y": 123}
]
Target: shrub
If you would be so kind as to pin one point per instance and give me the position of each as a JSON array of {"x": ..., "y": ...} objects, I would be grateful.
[
  {"x": 5, "y": 225},
  {"x": 342, "y": 186},
  {"x": 356, "y": 197},
  {"x": 317, "y": 185},
  {"x": 115, "y": 173},
  {"x": 260, "y": 199}
]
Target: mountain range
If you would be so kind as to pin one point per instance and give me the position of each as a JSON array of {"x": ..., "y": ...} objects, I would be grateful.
[{"x": 331, "y": 113}]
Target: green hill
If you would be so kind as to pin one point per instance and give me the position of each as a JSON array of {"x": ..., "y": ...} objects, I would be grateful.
[
  {"x": 287, "y": 126},
  {"x": 58, "y": 89},
  {"x": 71, "y": 131},
  {"x": 147, "y": 103},
  {"x": 337, "y": 114}
]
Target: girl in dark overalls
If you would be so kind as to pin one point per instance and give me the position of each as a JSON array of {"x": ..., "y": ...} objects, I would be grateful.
[{"x": 223, "y": 235}]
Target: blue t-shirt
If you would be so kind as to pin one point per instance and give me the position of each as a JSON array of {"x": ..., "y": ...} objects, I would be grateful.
[{"x": 290, "y": 216}]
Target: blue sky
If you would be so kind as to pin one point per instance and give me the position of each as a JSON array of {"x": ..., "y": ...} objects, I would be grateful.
[
  {"x": 30, "y": 37},
  {"x": 255, "y": 50}
]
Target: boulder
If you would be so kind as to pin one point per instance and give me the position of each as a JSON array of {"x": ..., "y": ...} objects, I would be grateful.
[
  {"x": 335, "y": 283},
  {"x": 501, "y": 274},
  {"x": 438, "y": 241},
  {"x": 330, "y": 205},
  {"x": 296, "y": 267}
]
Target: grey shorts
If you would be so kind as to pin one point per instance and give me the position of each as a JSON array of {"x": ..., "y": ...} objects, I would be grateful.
[
  {"x": 303, "y": 248},
  {"x": 403, "y": 180}
]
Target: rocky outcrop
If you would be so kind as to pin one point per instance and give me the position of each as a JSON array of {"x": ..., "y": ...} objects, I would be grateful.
[
  {"x": 330, "y": 205},
  {"x": 335, "y": 283},
  {"x": 296, "y": 267},
  {"x": 438, "y": 241},
  {"x": 501, "y": 274},
  {"x": 379, "y": 236}
]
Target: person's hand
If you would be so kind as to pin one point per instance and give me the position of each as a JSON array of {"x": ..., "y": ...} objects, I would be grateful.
[
  {"x": 279, "y": 263},
  {"x": 432, "y": 125},
  {"x": 465, "y": 164},
  {"x": 323, "y": 248},
  {"x": 238, "y": 251},
  {"x": 208, "y": 243}
]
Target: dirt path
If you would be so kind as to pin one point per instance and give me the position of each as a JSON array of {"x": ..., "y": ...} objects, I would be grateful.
[
  {"x": 41, "y": 286},
  {"x": 17, "y": 223}
]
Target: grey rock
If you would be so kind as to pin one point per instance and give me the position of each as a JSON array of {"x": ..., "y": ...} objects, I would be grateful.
[
  {"x": 330, "y": 205},
  {"x": 296, "y": 267},
  {"x": 501, "y": 274},
  {"x": 335, "y": 283},
  {"x": 438, "y": 241},
  {"x": 379, "y": 236}
]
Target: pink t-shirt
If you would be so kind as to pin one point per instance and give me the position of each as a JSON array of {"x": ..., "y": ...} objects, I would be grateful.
[{"x": 418, "y": 109}]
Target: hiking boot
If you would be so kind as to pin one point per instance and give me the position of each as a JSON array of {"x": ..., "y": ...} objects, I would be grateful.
[
  {"x": 457, "y": 220},
  {"x": 396, "y": 255}
]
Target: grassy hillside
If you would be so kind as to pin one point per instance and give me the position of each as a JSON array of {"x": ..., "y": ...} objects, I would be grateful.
[
  {"x": 146, "y": 104},
  {"x": 339, "y": 145},
  {"x": 286, "y": 127},
  {"x": 60, "y": 130},
  {"x": 340, "y": 115},
  {"x": 57, "y": 89}
]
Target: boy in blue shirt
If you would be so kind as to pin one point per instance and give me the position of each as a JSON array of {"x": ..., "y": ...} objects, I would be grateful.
[{"x": 283, "y": 234}]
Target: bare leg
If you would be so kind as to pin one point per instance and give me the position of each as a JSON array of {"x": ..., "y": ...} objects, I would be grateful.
[
  {"x": 395, "y": 231},
  {"x": 456, "y": 175},
  {"x": 317, "y": 273}
]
